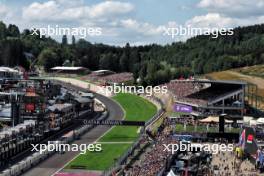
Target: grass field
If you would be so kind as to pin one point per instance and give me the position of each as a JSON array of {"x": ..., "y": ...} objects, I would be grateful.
[
  {"x": 136, "y": 108},
  {"x": 257, "y": 71}
]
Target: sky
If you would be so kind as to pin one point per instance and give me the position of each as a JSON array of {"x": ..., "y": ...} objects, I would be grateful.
[{"x": 138, "y": 22}]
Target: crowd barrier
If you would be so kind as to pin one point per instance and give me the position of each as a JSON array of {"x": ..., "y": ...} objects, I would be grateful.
[{"x": 122, "y": 160}]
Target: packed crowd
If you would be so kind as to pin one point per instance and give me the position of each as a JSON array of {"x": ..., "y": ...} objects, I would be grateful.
[
  {"x": 109, "y": 78},
  {"x": 227, "y": 164},
  {"x": 185, "y": 119},
  {"x": 118, "y": 77},
  {"x": 196, "y": 93},
  {"x": 154, "y": 160},
  {"x": 182, "y": 89}
]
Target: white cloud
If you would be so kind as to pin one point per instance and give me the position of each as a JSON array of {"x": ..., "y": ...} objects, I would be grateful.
[
  {"x": 120, "y": 25},
  {"x": 70, "y": 3},
  {"x": 41, "y": 11},
  {"x": 62, "y": 10},
  {"x": 3, "y": 11},
  {"x": 234, "y": 8},
  {"x": 143, "y": 28},
  {"x": 210, "y": 20},
  {"x": 109, "y": 8},
  {"x": 217, "y": 20}
]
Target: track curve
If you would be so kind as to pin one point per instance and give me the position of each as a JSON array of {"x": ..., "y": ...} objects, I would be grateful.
[{"x": 57, "y": 161}]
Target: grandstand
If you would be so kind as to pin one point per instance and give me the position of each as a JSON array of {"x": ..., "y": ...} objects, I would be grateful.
[
  {"x": 9, "y": 76},
  {"x": 209, "y": 97},
  {"x": 108, "y": 77}
]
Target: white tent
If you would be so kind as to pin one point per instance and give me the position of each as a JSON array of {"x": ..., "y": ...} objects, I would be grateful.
[
  {"x": 247, "y": 119},
  {"x": 171, "y": 173},
  {"x": 260, "y": 120},
  {"x": 213, "y": 119},
  {"x": 253, "y": 122}
]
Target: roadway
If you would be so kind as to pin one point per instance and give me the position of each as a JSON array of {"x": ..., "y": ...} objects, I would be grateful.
[{"x": 57, "y": 161}]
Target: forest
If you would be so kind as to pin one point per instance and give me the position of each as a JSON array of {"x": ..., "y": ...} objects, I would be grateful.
[{"x": 153, "y": 64}]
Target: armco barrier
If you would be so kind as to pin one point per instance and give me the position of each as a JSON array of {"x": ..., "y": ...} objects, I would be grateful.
[{"x": 36, "y": 158}]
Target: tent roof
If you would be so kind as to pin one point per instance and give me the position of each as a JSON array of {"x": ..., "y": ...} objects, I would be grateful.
[{"x": 213, "y": 119}]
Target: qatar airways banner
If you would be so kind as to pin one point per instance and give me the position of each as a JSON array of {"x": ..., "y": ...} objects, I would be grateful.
[
  {"x": 182, "y": 108},
  {"x": 114, "y": 122}
]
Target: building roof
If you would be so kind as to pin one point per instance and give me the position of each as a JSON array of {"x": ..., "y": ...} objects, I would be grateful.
[
  {"x": 213, "y": 119},
  {"x": 60, "y": 107},
  {"x": 83, "y": 100},
  {"x": 68, "y": 68},
  {"x": 8, "y": 69},
  {"x": 16, "y": 129},
  {"x": 212, "y": 81},
  {"x": 103, "y": 72},
  {"x": 84, "y": 94},
  {"x": 5, "y": 112}
]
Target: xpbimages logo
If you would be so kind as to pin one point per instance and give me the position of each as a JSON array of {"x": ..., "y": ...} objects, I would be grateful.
[
  {"x": 60, "y": 147},
  {"x": 56, "y": 30},
  {"x": 148, "y": 90},
  {"x": 195, "y": 31},
  {"x": 194, "y": 147}
]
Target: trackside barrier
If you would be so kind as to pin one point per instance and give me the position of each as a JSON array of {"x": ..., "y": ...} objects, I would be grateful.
[
  {"x": 160, "y": 112},
  {"x": 99, "y": 102},
  {"x": 154, "y": 100},
  {"x": 37, "y": 157},
  {"x": 123, "y": 159}
]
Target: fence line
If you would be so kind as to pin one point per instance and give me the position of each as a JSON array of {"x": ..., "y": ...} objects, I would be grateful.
[{"x": 136, "y": 144}]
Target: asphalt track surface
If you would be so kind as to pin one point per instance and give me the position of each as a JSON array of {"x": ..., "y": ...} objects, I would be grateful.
[{"x": 57, "y": 161}]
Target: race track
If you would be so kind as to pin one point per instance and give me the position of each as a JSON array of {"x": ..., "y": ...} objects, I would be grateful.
[{"x": 57, "y": 161}]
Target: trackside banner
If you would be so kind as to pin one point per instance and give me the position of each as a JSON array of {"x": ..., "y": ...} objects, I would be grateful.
[
  {"x": 114, "y": 122},
  {"x": 182, "y": 108}
]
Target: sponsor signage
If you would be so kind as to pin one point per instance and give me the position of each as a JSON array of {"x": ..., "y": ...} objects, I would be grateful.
[
  {"x": 182, "y": 108},
  {"x": 250, "y": 145},
  {"x": 114, "y": 122},
  {"x": 30, "y": 107},
  {"x": 250, "y": 138}
]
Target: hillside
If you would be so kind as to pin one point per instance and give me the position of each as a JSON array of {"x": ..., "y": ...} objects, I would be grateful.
[
  {"x": 256, "y": 70},
  {"x": 154, "y": 64},
  {"x": 251, "y": 75}
]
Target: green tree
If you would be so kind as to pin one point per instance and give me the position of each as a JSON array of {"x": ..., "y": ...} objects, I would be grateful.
[
  {"x": 73, "y": 40},
  {"x": 48, "y": 58},
  {"x": 64, "y": 40},
  {"x": 13, "y": 31},
  {"x": 3, "y": 30}
]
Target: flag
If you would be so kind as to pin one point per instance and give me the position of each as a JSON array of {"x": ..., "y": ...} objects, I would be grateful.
[{"x": 242, "y": 139}]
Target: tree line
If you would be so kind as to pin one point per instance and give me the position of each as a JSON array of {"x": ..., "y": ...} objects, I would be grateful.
[{"x": 153, "y": 64}]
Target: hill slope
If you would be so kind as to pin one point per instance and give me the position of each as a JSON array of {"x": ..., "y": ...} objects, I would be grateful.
[{"x": 251, "y": 75}]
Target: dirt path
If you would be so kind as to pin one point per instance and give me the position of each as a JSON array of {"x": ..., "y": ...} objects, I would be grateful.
[
  {"x": 232, "y": 75},
  {"x": 255, "y": 80}
]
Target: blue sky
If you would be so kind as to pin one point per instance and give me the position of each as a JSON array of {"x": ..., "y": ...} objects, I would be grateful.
[{"x": 135, "y": 21}]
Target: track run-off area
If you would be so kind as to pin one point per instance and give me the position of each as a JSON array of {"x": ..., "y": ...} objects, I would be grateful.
[
  {"x": 119, "y": 138},
  {"x": 115, "y": 140}
]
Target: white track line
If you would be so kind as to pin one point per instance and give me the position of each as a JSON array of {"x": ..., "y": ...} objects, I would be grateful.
[{"x": 79, "y": 153}]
